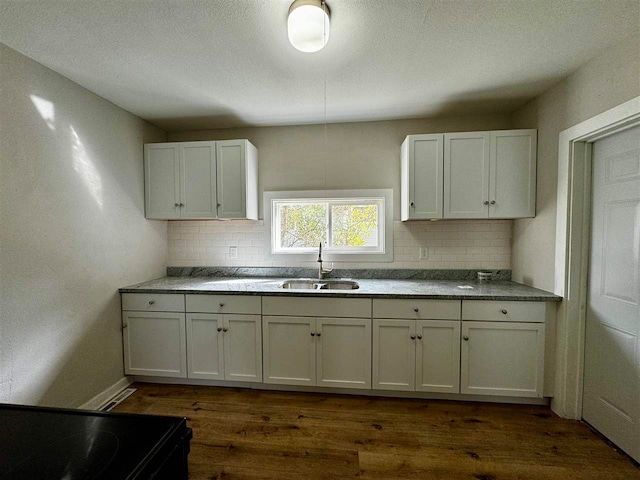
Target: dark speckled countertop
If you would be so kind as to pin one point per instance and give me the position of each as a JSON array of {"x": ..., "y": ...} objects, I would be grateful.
[{"x": 374, "y": 288}]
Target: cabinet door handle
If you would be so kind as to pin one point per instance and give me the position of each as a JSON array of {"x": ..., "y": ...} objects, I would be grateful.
[
  {"x": 313, "y": 334},
  {"x": 486, "y": 202},
  {"x": 225, "y": 329},
  {"x": 182, "y": 204},
  {"x": 219, "y": 329},
  {"x": 412, "y": 204},
  {"x": 504, "y": 312},
  {"x": 124, "y": 326},
  {"x": 416, "y": 310},
  {"x": 413, "y": 337},
  {"x": 318, "y": 334},
  {"x": 419, "y": 337},
  {"x": 151, "y": 302},
  {"x": 218, "y": 205},
  {"x": 493, "y": 202},
  {"x": 176, "y": 204},
  {"x": 466, "y": 338}
]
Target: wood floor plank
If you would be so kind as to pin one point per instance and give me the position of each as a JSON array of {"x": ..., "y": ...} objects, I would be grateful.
[{"x": 252, "y": 434}]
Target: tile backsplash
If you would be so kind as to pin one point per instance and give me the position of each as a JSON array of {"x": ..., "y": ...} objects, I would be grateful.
[{"x": 451, "y": 244}]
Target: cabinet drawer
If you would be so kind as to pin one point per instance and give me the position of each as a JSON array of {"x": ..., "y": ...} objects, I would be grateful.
[
  {"x": 317, "y": 307},
  {"x": 418, "y": 309},
  {"x": 244, "y": 304},
  {"x": 499, "y": 311},
  {"x": 153, "y": 302}
]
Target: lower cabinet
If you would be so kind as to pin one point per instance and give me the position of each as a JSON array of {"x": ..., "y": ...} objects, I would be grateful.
[
  {"x": 416, "y": 355},
  {"x": 502, "y": 358},
  {"x": 329, "y": 352},
  {"x": 224, "y": 347},
  {"x": 154, "y": 344}
]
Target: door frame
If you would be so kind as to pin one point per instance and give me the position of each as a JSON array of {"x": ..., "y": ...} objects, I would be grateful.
[{"x": 572, "y": 248}]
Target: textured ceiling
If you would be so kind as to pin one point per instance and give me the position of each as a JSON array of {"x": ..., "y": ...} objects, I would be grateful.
[{"x": 219, "y": 63}]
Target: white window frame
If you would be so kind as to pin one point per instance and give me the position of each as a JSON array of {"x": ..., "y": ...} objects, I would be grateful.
[{"x": 383, "y": 253}]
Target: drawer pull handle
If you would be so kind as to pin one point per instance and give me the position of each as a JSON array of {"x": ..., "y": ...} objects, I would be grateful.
[
  {"x": 413, "y": 337},
  {"x": 466, "y": 338},
  {"x": 221, "y": 305},
  {"x": 313, "y": 334},
  {"x": 219, "y": 329},
  {"x": 504, "y": 312},
  {"x": 416, "y": 310},
  {"x": 151, "y": 302},
  {"x": 419, "y": 337},
  {"x": 225, "y": 329}
]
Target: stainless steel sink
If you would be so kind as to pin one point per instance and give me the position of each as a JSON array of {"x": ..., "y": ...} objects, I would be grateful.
[{"x": 310, "y": 284}]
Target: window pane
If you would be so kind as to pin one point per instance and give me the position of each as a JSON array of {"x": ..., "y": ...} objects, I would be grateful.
[
  {"x": 302, "y": 225},
  {"x": 354, "y": 225}
]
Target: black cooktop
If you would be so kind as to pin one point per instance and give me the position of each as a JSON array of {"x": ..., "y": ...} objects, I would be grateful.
[{"x": 48, "y": 443}]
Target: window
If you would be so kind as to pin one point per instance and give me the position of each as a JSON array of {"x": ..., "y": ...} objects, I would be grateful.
[{"x": 351, "y": 225}]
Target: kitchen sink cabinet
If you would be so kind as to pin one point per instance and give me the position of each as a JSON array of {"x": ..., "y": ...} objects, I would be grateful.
[
  {"x": 201, "y": 180},
  {"x": 330, "y": 352},
  {"x": 467, "y": 175}
]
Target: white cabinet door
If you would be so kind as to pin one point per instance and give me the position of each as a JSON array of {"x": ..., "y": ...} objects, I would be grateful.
[
  {"x": 242, "y": 348},
  {"x": 466, "y": 175},
  {"x": 438, "y": 356},
  {"x": 343, "y": 347},
  {"x": 205, "y": 346},
  {"x": 154, "y": 344},
  {"x": 512, "y": 183},
  {"x": 422, "y": 177},
  {"x": 231, "y": 178},
  {"x": 162, "y": 180},
  {"x": 394, "y": 354},
  {"x": 198, "y": 179},
  {"x": 289, "y": 350},
  {"x": 502, "y": 358}
]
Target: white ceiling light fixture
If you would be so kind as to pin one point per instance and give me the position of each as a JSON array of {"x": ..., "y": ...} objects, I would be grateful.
[{"x": 308, "y": 25}]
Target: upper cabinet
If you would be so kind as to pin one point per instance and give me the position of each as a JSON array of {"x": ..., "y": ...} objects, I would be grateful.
[
  {"x": 482, "y": 175},
  {"x": 422, "y": 168},
  {"x": 201, "y": 180}
]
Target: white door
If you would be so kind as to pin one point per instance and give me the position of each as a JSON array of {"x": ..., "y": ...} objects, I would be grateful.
[
  {"x": 466, "y": 175},
  {"x": 198, "y": 174},
  {"x": 242, "y": 348},
  {"x": 426, "y": 176},
  {"x": 205, "y": 346},
  {"x": 162, "y": 180},
  {"x": 231, "y": 179},
  {"x": 502, "y": 358},
  {"x": 612, "y": 350},
  {"x": 394, "y": 354},
  {"x": 154, "y": 344},
  {"x": 343, "y": 352},
  {"x": 438, "y": 356},
  {"x": 289, "y": 350},
  {"x": 512, "y": 182}
]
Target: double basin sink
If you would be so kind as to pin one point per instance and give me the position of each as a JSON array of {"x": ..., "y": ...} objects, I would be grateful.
[{"x": 311, "y": 284}]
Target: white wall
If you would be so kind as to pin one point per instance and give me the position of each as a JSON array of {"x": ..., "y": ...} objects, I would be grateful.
[
  {"x": 72, "y": 232},
  {"x": 609, "y": 79},
  {"x": 362, "y": 155}
]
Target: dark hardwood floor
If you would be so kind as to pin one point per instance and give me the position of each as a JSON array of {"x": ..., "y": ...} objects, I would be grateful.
[{"x": 253, "y": 434}]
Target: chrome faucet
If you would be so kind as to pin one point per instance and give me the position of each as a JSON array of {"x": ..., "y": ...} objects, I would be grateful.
[{"x": 321, "y": 269}]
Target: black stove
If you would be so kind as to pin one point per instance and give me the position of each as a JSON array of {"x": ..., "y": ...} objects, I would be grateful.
[{"x": 59, "y": 444}]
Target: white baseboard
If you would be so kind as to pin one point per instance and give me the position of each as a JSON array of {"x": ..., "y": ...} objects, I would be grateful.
[
  {"x": 346, "y": 391},
  {"x": 96, "y": 402}
]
